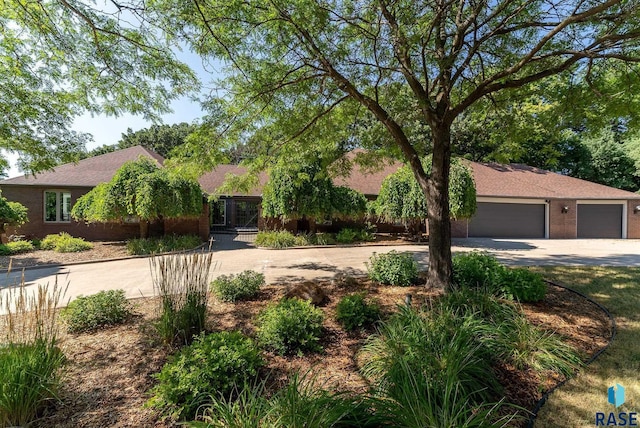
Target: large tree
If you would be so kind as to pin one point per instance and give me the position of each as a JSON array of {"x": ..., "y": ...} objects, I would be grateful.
[
  {"x": 11, "y": 214},
  {"x": 410, "y": 65},
  {"x": 141, "y": 189},
  {"x": 61, "y": 58}
]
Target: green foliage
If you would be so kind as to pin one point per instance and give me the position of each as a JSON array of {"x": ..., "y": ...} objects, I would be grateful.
[
  {"x": 354, "y": 312},
  {"x": 325, "y": 239},
  {"x": 290, "y": 326},
  {"x": 163, "y": 244},
  {"x": 231, "y": 288},
  {"x": 478, "y": 270},
  {"x": 347, "y": 235},
  {"x": 29, "y": 379},
  {"x": 181, "y": 282},
  {"x": 303, "y": 188},
  {"x": 522, "y": 285},
  {"x": 11, "y": 213},
  {"x": 275, "y": 239},
  {"x": 393, "y": 268},
  {"x": 213, "y": 365},
  {"x": 140, "y": 188},
  {"x": 16, "y": 247},
  {"x": 402, "y": 199},
  {"x": 64, "y": 243},
  {"x": 105, "y": 308}
]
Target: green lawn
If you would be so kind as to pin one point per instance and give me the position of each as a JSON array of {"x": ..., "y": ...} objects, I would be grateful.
[{"x": 575, "y": 404}]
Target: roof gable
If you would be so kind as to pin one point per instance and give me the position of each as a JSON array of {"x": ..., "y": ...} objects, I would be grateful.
[{"x": 87, "y": 172}]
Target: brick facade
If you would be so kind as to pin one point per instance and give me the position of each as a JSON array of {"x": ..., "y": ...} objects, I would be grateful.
[
  {"x": 633, "y": 219},
  {"x": 563, "y": 225}
]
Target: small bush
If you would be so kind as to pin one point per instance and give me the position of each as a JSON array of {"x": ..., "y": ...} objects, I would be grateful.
[
  {"x": 101, "y": 309},
  {"x": 275, "y": 239},
  {"x": 347, "y": 236},
  {"x": 522, "y": 285},
  {"x": 292, "y": 325},
  {"x": 476, "y": 270},
  {"x": 213, "y": 365},
  {"x": 304, "y": 239},
  {"x": 64, "y": 243},
  {"x": 393, "y": 268},
  {"x": 365, "y": 235},
  {"x": 29, "y": 378},
  {"x": 325, "y": 239},
  {"x": 245, "y": 285},
  {"x": 353, "y": 312},
  {"x": 164, "y": 244},
  {"x": 16, "y": 247}
]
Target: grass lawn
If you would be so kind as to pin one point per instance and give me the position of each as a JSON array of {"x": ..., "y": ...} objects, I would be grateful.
[{"x": 618, "y": 289}]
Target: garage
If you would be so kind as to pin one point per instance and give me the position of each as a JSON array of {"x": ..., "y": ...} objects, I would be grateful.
[
  {"x": 508, "y": 220},
  {"x": 600, "y": 221}
]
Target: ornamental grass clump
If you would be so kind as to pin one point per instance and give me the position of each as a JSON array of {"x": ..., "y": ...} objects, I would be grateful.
[
  {"x": 181, "y": 281},
  {"x": 275, "y": 239},
  {"x": 30, "y": 359},
  {"x": 164, "y": 244}
]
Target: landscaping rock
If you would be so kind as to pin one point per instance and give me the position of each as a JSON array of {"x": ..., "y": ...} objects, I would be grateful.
[{"x": 308, "y": 290}]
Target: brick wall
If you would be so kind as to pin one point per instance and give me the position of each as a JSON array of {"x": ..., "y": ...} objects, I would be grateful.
[
  {"x": 633, "y": 220},
  {"x": 460, "y": 228},
  {"x": 563, "y": 225}
]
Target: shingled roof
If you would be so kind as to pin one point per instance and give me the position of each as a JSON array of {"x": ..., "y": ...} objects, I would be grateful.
[
  {"x": 522, "y": 181},
  {"x": 211, "y": 181},
  {"x": 86, "y": 173}
]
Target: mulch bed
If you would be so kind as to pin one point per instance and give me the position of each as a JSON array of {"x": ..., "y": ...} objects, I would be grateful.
[
  {"x": 100, "y": 251},
  {"x": 110, "y": 372}
]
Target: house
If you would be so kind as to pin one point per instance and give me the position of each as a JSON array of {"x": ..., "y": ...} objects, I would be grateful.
[
  {"x": 50, "y": 195},
  {"x": 514, "y": 201}
]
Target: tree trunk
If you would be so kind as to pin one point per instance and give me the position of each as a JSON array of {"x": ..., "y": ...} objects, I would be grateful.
[
  {"x": 144, "y": 229},
  {"x": 437, "y": 194}
]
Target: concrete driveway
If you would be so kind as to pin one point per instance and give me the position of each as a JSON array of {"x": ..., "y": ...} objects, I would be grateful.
[{"x": 231, "y": 256}]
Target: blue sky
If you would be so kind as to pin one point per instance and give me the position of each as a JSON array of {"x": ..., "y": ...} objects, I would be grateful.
[{"x": 108, "y": 130}]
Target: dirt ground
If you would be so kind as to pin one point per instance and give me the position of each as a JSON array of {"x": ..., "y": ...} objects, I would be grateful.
[
  {"x": 109, "y": 372},
  {"x": 100, "y": 251}
]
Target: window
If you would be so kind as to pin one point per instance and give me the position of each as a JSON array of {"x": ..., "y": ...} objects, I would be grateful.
[
  {"x": 218, "y": 213},
  {"x": 57, "y": 206}
]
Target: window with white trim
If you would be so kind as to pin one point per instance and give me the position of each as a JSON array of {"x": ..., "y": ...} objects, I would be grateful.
[{"x": 57, "y": 206}]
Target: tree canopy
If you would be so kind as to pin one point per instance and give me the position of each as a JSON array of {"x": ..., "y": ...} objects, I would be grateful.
[
  {"x": 11, "y": 213},
  {"x": 304, "y": 189},
  {"x": 60, "y": 59},
  {"x": 406, "y": 68},
  {"x": 142, "y": 189}
]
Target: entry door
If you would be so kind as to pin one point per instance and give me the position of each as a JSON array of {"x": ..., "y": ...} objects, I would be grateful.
[{"x": 246, "y": 214}]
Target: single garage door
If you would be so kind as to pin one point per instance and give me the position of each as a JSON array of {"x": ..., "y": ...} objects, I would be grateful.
[
  {"x": 499, "y": 220},
  {"x": 600, "y": 221}
]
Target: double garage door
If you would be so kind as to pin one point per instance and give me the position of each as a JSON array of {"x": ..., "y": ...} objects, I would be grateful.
[{"x": 528, "y": 221}]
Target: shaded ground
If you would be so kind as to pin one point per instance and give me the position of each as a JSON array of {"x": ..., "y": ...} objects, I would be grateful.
[
  {"x": 109, "y": 372},
  {"x": 100, "y": 251}
]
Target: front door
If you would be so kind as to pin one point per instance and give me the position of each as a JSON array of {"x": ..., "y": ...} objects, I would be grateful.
[{"x": 246, "y": 214}]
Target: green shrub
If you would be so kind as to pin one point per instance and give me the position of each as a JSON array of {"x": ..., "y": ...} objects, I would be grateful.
[
  {"x": 245, "y": 285},
  {"x": 304, "y": 239},
  {"x": 213, "y": 364},
  {"x": 164, "y": 244},
  {"x": 64, "y": 243},
  {"x": 347, "y": 236},
  {"x": 101, "y": 309},
  {"x": 325, "y": 239},
  {"x": 476, "y": 270},
  {"x": 393, "y": 268},
  {"x": 29, "y": 379},
  {"x": 291, "y": 325},
  {"x": 522, "y": 285},
  {"x": 16, "y": 247},
  {"x": 365, "y": 235},
  {"x": 275, "y": 239},
  {"x": 353, "y": 312}
]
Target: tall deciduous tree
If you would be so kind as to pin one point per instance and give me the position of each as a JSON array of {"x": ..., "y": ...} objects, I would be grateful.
[
  {"x": 294, "y": 65},
  {"x": 140, "y": 188},
  {"x": 59, "y": 59}
]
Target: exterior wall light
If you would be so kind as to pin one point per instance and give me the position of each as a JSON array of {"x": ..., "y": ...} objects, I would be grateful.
[
  {"x": 636, "y": 210},
  {"x": 565, "y": 209}
]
